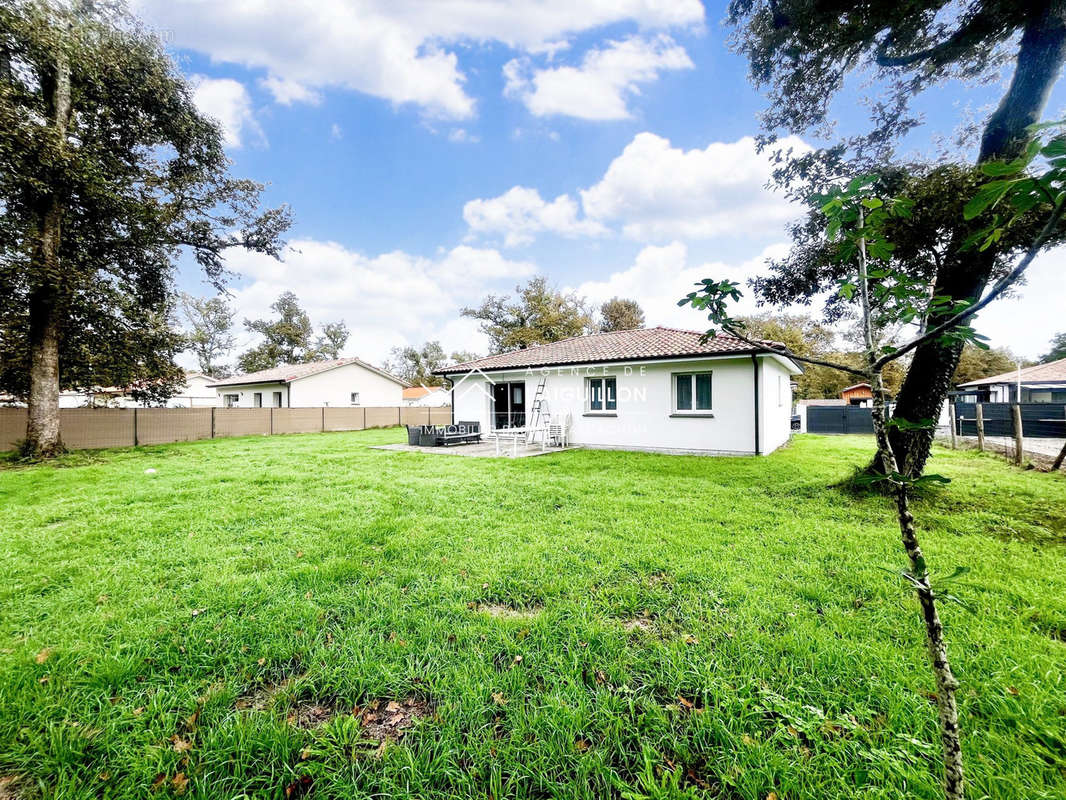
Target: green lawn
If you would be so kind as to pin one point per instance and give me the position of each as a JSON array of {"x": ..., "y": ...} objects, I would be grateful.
[{"x": 584, "y": 624}]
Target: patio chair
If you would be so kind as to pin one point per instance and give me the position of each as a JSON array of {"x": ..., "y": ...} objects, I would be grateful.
[
  {"x": 413, "y": 432},
  {"x": 559, "y": 433}
]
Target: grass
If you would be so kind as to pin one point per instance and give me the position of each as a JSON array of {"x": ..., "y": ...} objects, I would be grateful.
[{"x": 681, "y": 627}]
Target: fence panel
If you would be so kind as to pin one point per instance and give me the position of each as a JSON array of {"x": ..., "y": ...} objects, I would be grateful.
[
  {"x": 241, "y": 421},
  {"x": 90, "y": 428},
  {"x": 414, "y": 415},
  {"x": 1039, "y": 420},
  {"x": 344, "y": 419},
  {"x": 382, "y": 417},
  {"x": 165, "y": 425},
  {"x": 12, "y": 427},
  {"x": 839, "y": 419},
  {"x": 297, "y": 420},
  {"x": 440, "y": 415}
]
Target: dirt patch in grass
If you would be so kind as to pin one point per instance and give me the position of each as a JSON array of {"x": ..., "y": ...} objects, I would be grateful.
[
  {"x": 12, "y": 787},
  {"x": 263, "y": 696},
  {"x": 308, "y": 714},
  {"x": 643, "y": 623},
  {"x": 389, "y": 719},
  {"x": 501, "y": 611}
]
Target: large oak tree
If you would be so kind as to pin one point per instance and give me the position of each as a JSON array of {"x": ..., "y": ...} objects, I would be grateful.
[
  {"x": 802, "y": 51},
  {"x": 107, "y": 171}
]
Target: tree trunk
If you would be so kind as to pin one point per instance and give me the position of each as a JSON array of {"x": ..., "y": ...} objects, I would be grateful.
[
  {"x": 46, "y": 282},
  {"x": 1040, "y": 58},
  {"x": 42, "y": 427}
]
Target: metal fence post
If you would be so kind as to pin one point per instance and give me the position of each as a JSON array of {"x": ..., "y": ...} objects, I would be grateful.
[
  {"x": 323, "y": 419},
  {"x": 272, "y": 420},
  {"x": 951, "y": 416},
  {"x": 135, "y": 442},
  {"x": 1019, "y": 437},
  {"x": 212, "y": 422},
  {"x": 980, "y": 428}
]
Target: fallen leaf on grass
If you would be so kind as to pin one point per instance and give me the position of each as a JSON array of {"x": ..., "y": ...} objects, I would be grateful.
[
  {"x": 138, "y": 711},
  {"x": 771, "y": 796},
  {"x": 198, "y": 611},
  {"x": 43, "y": 655},
  {"x": 180, "y": 783},
  {"x": 180, "y": 745},
  {"x": 499, "y": 699},
  {"x": 299, "y": 787},
  {"x": 582, "y": 745}
]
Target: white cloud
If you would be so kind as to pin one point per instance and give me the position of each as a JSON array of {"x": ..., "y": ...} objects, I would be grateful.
[
  {"x": 463, "y": 136},
  {"x": 600, "y": 88},
  {"x": 288, "y": 91},
  {"x": 656, "y": 191},
  {"x": 520, "y": 213},
  {"x": 389, "y": 49},
  {"x": 661, "y": 275},
  {"x": 336, "y": 133},
  {"x": 1025, "y": 322},
  {"x": 387, "y": 300},
  {"x": 652, "y": 192},
  {"x": 229, "y": 102}
]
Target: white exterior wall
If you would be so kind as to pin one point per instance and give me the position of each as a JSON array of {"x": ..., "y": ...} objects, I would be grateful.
[
  {"x": 775, "y": 394},
  {"x": 644, "y": 419},
  {"x": 197, "y": 393},
  {"x": 334, "y": 388},
  {"x": 246, "y": 394}
]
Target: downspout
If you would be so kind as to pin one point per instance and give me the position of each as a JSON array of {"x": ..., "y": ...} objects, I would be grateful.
[
  {"x": 755, "y": 379},
  {"x": 451, "y": 395}
]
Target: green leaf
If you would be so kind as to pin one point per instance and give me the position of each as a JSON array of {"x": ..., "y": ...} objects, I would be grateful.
[{"x": 987, "y": 196}]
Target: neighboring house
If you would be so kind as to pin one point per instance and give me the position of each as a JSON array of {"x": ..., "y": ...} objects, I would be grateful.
[
  {"x": 195, "y": 393},
  {"x": 340, "y": 382},
  {"x": 1043, "y": 383},
  {"x": 861, "y": 394},
  {"x": 426, "y": 396},
  {"x": 658, "y": 389}
]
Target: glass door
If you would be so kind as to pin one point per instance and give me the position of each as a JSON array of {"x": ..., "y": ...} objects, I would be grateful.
[{"x": 509, "y": 405}]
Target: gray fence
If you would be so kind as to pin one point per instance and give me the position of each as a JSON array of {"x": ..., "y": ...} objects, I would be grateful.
[
  {"x": 91, "y": 428},
  {"x": 1039, "y": 420},
  {"x": 839, "y": 419}
]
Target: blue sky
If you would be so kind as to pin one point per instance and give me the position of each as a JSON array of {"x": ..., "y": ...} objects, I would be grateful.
[{"x": 434, "y": 152}]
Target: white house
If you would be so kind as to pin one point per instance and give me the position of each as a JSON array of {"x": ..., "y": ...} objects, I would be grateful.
[
  {"x": 434, "y": 396},
  {"x": 1041, "y": 383},
  {"x": 196, "y": 392},
  {"x": 658, "y": 389},
  {"x": 340, "y": 382}
]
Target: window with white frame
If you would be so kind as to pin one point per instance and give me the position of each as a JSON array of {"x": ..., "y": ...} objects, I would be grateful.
[
  {"x": 230, "y": 400},
  {"x": 692, "y": 393},
  {"x": 355, "y": 398},
  {"x": 257, "y": 400},
  {"x": 601, "y": 395}
]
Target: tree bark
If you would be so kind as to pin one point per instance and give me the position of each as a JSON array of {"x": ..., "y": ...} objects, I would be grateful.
[
  {"x": 46, "y": 307},
  {"x": 1040, "y": 57}
]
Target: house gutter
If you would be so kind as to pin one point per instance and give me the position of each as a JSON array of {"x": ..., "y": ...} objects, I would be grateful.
[{"x": 755, "y": 378}]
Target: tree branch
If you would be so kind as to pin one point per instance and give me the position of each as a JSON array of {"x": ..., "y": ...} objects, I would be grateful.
[
  {"x": 1002, "y": 285},
  {"x": 975, "y": 28},
  {"x": 784, "y": 351}
]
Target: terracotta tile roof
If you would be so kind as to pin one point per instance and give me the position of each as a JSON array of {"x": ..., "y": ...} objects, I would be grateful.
[
  {"x": 415, "y": 392},
  {"x": 287, "y": 373},
  {"x": 635, "y": 345},
  {"x": 1052, "y": 372}
]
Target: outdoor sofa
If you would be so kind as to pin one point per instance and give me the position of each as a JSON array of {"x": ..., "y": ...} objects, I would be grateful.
[{"x": 444, "y": 435}]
